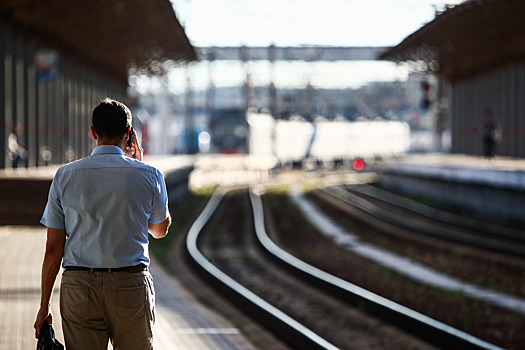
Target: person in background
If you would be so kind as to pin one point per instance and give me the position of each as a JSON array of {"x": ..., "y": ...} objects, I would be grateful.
[
  {"x": 17, "y": 153},
  {"x": 99, "y": 215},
  {"x": 491, "y": 134}
]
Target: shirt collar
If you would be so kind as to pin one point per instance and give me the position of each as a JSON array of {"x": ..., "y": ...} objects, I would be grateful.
[{"x": 108, "y": 149}]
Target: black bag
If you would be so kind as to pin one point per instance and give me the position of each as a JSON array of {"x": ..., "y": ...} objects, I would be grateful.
[{"x": 46, "y": 339}]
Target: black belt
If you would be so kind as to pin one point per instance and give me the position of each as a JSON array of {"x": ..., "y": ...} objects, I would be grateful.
[{"x": 130, "y": 269}]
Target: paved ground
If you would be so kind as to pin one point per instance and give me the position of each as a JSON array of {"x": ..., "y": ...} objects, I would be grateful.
[{"x": 181, "y": 322}]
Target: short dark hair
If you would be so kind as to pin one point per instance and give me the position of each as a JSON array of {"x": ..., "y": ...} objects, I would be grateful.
[{"x": 111, "y": 119}]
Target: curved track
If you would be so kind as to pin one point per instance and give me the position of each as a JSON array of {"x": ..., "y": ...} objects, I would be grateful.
[
  {"x": 432, "y": 222},
  {"x": 289, "y": 329}
]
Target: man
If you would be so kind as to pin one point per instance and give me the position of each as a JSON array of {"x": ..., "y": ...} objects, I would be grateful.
[
  {"x": 491, "y": 134},
  {"x": 98, "y": 215},
  {"x": 17, "y": 153}
]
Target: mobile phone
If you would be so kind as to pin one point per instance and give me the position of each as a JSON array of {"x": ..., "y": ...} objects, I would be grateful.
[{"x": 130, "y": 139}]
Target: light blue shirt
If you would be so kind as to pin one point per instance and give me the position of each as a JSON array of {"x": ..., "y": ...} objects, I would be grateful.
[{"x": 105, "y": 202}]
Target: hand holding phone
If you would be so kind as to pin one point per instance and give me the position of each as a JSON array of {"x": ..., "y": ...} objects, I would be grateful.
[
  {"x": 130, "y": 139},
  {"x": 133, "y": 148}
]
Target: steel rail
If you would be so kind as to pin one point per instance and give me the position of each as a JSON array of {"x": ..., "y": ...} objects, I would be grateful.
[
  {"x": 437, "y": 214},
  {"x": 368, "y": 207},
  {"x": 280, "y": 323},
  {"x": 414, "y": 322}
]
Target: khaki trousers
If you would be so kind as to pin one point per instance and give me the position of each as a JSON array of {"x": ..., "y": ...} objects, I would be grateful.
[{"x": 100, "y": 306}]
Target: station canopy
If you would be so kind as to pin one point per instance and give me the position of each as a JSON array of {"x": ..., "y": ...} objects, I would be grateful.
[
  {"x": 111, "y": 36},
  {"x": 468, "y": 38}
]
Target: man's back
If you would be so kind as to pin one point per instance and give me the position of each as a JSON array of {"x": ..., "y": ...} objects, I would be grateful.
[{"x": 107, "y": 200}]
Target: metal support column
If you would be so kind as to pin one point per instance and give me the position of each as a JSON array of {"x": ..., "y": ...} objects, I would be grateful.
[
  {"x": 30, "y": 104},
  {"x": 8, "y": 90},
  {"x": 3, "y": 120}
]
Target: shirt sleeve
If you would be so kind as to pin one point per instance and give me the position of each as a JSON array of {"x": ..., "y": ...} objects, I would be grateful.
[
  {"x": 159, "y": 211},
  {"x": 53, "y": 216}
]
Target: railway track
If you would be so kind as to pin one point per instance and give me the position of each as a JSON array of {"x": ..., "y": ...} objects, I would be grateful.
[
  {"x": 332, "y": 288},
  {"x": 425, "y": 220}
]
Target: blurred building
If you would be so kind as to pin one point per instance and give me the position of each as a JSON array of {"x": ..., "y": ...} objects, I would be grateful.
[
  {"x": 308, "y": 82},
  {"x": 59, "y": 58},
  {"x": 477, "y": 49}
]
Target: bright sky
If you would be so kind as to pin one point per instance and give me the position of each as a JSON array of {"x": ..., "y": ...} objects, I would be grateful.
[
  {"x": 309, "y": 22},
  {"x": 296, "y": 22}
]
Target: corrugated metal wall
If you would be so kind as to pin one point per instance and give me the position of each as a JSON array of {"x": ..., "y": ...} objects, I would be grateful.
[
  {"x": 53, "y": 115},
  {"x": 503, "y": 91}
]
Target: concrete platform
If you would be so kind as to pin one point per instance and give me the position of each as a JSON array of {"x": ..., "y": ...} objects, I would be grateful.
[
  {"x": 496, "y": 172},
  {"x": 181, "y": 323},
  {"x": 24, "y": 191},
  {"x": 165, "y": 164}
]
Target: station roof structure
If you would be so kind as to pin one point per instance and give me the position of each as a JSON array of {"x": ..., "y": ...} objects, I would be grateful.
[
  {"x": 289, "y": 53},
  {"x": 468, "y": 38},
  {"x": 110, "y": 36}
]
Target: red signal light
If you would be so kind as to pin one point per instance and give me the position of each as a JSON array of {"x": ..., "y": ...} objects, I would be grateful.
[{"x": 358, "y": 164}]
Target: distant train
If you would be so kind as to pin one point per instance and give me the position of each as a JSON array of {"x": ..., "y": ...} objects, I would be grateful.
[
  {"x": 326, "y": 142},
  {"x": 299, "y": 142},
  {"x": 229, "y": 131}
]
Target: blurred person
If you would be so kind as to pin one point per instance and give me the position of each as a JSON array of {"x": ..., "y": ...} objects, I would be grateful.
[
  {"x": 17, "y": 153},
  {"x": 491, "y": 133},
  {"x": 99, "y": 212}
]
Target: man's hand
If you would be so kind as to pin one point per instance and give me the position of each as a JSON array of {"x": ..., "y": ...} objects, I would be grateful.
[
  {"x": 136, "y": 151},
  {"x": 56, "y": 238},
  {"x": 44, "y": 315}
]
